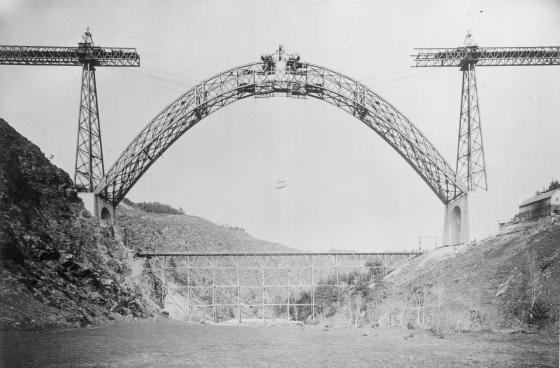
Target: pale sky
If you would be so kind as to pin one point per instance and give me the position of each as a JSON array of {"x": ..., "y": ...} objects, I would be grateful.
[{"x": 347, "y": 189}]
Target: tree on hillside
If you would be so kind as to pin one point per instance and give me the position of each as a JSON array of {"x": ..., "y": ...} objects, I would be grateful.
[
  {"x": 554, "y": 184},
  {"x": 375, "y": 270}
]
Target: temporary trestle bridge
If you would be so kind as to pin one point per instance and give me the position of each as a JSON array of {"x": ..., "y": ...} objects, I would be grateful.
[{"x": 264, "y": 285}]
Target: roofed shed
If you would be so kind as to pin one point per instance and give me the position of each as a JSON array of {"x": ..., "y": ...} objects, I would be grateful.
[{"x": 543, "y": 204}]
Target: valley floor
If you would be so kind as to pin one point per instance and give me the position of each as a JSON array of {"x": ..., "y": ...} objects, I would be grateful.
[{"x": 168, "y": 343}]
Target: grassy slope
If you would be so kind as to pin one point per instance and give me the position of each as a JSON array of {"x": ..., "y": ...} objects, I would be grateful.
[{"x": 492, "y": 284}]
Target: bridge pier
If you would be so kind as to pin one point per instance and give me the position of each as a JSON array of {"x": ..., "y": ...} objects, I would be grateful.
[
  {"x": 456, "y": 222},
  {"x": 99, "y": 208}
]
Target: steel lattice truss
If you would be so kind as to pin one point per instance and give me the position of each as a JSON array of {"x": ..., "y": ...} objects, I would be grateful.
[
  {"x": 471, "y": 167},
  {"x": 487, "y": 56},
  {"x": 261, "y": 283},
  {"x": 89, "y": 169},
  {"x": 76, "y": 56},
  {"x": 470, "y": 164},
  {"x": 279, "y": 75}
]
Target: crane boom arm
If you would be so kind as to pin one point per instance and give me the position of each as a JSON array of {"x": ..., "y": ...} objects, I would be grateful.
[
  {"x": 71, "y": 56},
  {"x": 486, "y": 56}
]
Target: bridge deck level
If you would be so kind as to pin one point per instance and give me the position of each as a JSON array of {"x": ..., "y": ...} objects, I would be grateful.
[{"x": 264, "y": 254}]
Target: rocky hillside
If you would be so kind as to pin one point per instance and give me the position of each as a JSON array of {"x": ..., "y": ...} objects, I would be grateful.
[
  {"x": 57, "y": 268},
  {"x": 145, "y": 231}
]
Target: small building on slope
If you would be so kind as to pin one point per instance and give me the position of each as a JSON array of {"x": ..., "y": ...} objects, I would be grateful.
[{"x": 543, "y": 204}]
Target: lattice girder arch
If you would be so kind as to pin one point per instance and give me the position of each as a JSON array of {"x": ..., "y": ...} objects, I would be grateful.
[{"x": 278, "y": 75}]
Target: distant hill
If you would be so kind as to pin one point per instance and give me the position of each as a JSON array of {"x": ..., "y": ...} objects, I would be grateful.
[{"x": 148, "y": 231}]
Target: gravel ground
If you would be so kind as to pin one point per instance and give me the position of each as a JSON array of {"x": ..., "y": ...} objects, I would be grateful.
[{"x": 168, "y": 343}]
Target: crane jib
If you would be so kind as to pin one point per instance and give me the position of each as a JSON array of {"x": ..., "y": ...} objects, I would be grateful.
[
  {"x": 99, "y": 56},
  {"x": 487, "y": 56}
]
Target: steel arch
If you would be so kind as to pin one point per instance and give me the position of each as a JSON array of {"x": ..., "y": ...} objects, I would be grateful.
[{"x": 276, "y": 75}]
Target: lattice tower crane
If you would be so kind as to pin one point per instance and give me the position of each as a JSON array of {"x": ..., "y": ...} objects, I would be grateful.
[
  {"x": 470, "y": 165},
  {"x": 89, "y": 168}
]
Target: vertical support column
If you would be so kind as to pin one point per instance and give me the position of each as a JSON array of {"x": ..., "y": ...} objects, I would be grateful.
[
  {"x": 385, "y": 264},
  {"x": 213, "y": 291},
  {"x": 361, "y": 267},
  {"x": 337, "y": 284},
  {"x": 471, "y": 167},
  {"x": 189, "y": 283},
  {"x": 238, "y": 290},
  {"x": 162, "y": 278},
  {"x": 312, "y": 291},
  {"x": 288, "y": 283},
  {"x": 262, "y": 287},
  {"x": 89, "y": 168}
]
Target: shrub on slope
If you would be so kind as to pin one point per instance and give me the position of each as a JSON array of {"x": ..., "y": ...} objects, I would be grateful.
[{"x": 156, "y": 207}]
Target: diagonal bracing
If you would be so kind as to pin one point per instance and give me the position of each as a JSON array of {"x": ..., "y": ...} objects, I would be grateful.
[
  {"x": 280, "y": 75},
  {"x": 89, "y": 169},
  {"x": 470, "y": 164}
]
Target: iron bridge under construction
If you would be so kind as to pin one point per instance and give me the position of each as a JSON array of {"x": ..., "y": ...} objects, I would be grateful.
[{"x": 283, "y": 74}]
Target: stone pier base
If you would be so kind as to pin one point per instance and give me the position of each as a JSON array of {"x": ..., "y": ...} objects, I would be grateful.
[
  {"x": 99, "y": 208},
  {"x": 456, "y": 222}
]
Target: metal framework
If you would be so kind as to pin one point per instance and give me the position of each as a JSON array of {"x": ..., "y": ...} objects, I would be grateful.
[
  {"x": 89, "y": 167},
  {"x": 253, "y": 283},
  {"x": 69, "y": 56},
  {"x": 470, "y": 164},
  {"x": 487, "y": 56},
  {"x": 279, "y": 74}
]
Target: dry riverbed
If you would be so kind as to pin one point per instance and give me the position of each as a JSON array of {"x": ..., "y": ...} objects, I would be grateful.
[{"x": 168, "y": 343}]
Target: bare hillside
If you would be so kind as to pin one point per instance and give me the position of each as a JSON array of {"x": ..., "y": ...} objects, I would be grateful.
[{"x": 508, "y": 280}]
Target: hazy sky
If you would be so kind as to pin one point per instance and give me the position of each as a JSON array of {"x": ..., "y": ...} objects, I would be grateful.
[{"x": 347, "y": 189}]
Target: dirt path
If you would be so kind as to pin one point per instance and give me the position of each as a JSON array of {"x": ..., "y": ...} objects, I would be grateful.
[{"x": 176, "y": 344}]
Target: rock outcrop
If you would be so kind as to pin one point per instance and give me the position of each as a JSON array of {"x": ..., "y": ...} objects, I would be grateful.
[{"x": 57, "y": 266}]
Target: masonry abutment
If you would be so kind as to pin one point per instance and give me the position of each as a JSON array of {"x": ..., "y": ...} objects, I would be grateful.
[
  {"x": 456, "y": 222},
  {"x": 99, "y": 208}
]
